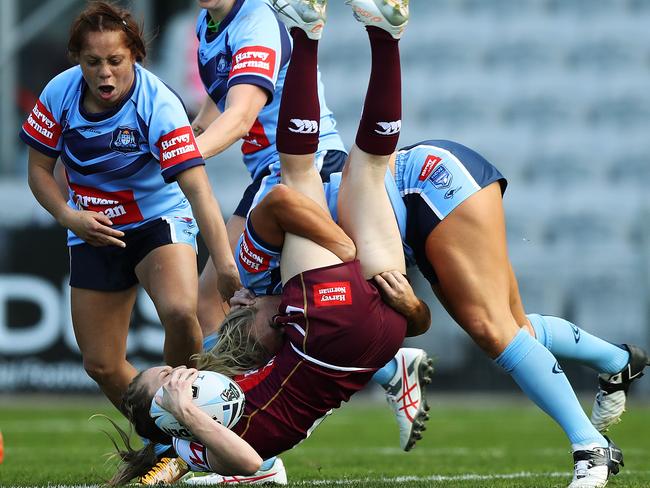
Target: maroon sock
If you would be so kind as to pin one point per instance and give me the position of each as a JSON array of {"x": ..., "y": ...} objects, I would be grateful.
[
  {"x": 299, "y": 116},
  {"x": 382, "y": 110}
]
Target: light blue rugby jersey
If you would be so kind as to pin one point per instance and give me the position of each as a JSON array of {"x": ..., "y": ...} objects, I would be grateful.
[
  {"x": 122, "y": 162},
  {"x": 259, "y": 263},
  {"x": 251, "y": 46}
]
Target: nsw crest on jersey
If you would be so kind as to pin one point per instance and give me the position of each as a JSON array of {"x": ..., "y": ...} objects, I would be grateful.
[
  {"x": 223, "y": 64},
  {"x": 125, "y": 139},
  {"x": 441, "y": 177}
]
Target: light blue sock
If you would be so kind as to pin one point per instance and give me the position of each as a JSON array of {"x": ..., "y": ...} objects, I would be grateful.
[
  {"x": 210, "y": 340},
  {"x": 567, "y": 341},
  {"x": 385, "y": 374},
  {"x": 539, "y": 375},
  {"x": 267, "y": 464}
]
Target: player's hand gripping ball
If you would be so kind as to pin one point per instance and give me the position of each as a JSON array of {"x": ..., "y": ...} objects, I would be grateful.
[{"x": 217, "y": 395}]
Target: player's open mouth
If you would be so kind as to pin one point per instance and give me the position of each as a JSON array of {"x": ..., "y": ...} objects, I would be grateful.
[{"x": 106, "y": 91}]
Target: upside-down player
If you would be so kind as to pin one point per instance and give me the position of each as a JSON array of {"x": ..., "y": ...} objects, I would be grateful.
[{"x": 337, "y": 330}]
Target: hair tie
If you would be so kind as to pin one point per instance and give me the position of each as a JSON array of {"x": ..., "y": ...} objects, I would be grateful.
[{"x": 124, "y": 22}]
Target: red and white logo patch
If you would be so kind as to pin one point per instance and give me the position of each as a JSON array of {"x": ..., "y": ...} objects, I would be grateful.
[
  {"x": 253, "y": 60},
  {"x": 333, "y": 294},
  {"x": 40, "y": 124},
  {"x": 119, "y": 206},
  {"x": 177, "y": 146},
  {"x": 198, "y": 455},
  {"x": 253, "y": 378},
  {"x": 252, "y": 259},
  {"x": 427, "y": 167},
  {"x": 255, "y": 139}
]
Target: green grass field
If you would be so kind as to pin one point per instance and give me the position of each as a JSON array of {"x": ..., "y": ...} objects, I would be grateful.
[{"x": 500, "y": 444}]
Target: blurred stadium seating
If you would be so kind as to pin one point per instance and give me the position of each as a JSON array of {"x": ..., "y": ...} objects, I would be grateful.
[{"x": 554, "y": 93}]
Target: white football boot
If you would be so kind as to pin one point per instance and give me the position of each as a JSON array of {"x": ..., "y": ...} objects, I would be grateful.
[
  {"x": 307, "y": 15},
  {"x": 405, "y": 394},
  {"x": 612, "y": 392},
  {"x": 593, "y": 467},
  {"x": 275, "y": 474},
  {"x": 389, "y": 15},
  {"x": 166, "y": 471}
]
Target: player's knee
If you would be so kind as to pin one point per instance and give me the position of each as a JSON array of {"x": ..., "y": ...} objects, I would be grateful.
[
  {"x": 178, "y": 315},
  {"x": 100, "y": 370},
  {"x": 280, "y": 196},
  {"x": 487, "y": 333}
]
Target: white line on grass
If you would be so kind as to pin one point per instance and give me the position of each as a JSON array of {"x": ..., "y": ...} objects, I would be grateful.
[
  {"x": 411, "y": 479},
  {"x": 458, "y": 477}
]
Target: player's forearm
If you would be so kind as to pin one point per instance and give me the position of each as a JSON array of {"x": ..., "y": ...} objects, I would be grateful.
[
  {"x": 418, "y": 319},
  {"x": 196, "y": 187},
  {"x": 228, "y": 454},
  {"x": 295, "y": 213},
  {"x": 207, "y": 114},
  {"x": 224, "y": 131},
  {"x": 47, "y": 192}
]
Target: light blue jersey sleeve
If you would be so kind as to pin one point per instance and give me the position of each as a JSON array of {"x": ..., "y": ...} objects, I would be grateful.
[
  {"x": 257, "y": 51},
  {"x": 43, "y": 126},
  {"x": 170, "y": 135}
]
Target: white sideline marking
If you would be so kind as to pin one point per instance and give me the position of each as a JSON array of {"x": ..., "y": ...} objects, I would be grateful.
[
  {"x": 410, "y": 479},
  {"x": 458, "y": 477}
]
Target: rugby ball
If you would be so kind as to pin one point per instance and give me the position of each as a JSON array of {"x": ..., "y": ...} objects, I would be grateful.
[{"x": 217, "y": 395}]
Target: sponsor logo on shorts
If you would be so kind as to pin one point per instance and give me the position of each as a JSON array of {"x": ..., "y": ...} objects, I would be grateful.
[
  {"x": 441, "y": 177},
  {"x": 428, "y": 166},
  {"x": 333, "y": 294},
  {"x": 40, "y": 124},
  {"x": 125, "y": 139},
  {"x": 389, "y": 128},
  {"x": 451, "y": 192},
  {"x": 304, "y": 126},
  {"x": 177, "y": 146},
  {"x": 197, "y": 455},
  {"x": 119, "y": 206},
  {"x": 557, "y": 369},
  {"x": 252, "y": 259},
  {"x": 253, "y": 60}
]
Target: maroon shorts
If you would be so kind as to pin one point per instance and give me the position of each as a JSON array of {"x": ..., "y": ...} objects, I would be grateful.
[{"x": 336, "y": 318}]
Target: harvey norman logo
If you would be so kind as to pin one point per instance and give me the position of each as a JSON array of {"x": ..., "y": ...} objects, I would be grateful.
[
  {"x": 255, "y": 60},
  {"x": 177, "y": 146},
  {"x": 40, "y": 124},
  {"x": 333, "y": 294}
]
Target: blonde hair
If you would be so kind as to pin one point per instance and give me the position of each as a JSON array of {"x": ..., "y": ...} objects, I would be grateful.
[
  {"x": 135, "y": 462},
  {"x": 236, "y": 351}
]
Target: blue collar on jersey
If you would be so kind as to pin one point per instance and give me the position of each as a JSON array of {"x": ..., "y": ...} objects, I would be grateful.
[
  {"x": 209, "y": 35},
  {"x": 97, "y": 117}
]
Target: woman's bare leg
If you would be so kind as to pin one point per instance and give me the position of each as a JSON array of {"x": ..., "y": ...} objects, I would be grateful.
[
  {"x": 101, "y": 324},
  {"x": 169, "y": 276},
  {"x": 365, "y": 212}
]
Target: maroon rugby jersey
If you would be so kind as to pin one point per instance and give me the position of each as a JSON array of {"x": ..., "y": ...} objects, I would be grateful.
[{"x": 339, "y": 332}]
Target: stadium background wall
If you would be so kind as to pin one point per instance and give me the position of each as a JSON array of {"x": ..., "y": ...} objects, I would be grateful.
[{"x": 553, "y": 92}]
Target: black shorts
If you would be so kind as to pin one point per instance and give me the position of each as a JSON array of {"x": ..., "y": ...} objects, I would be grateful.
[
  {"x": 333, "y": 161},
  {"x": 112, "y": 268}
]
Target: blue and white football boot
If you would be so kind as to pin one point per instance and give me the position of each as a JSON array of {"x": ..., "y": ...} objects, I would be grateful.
[
  {"x": 612, "y": 393},
  {"x": 405, "y": 394},
  {"x": 593, "y": 467}
]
